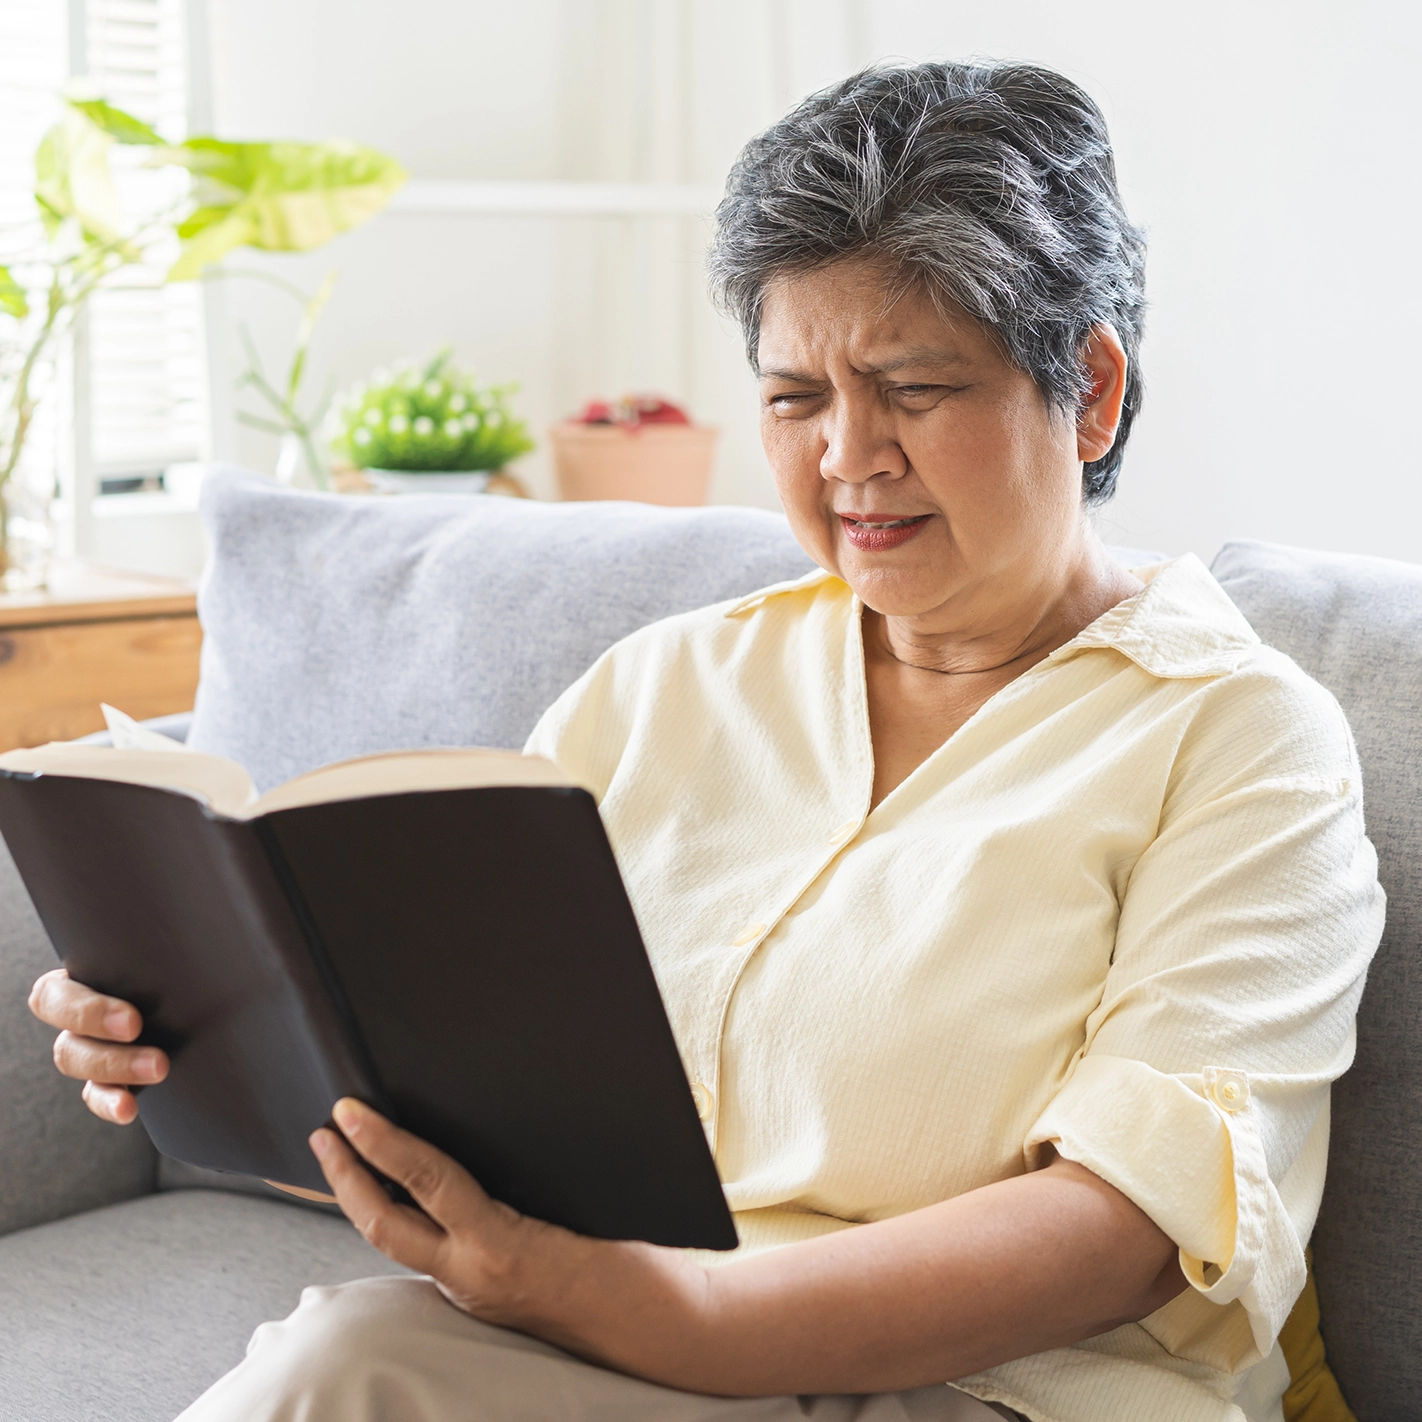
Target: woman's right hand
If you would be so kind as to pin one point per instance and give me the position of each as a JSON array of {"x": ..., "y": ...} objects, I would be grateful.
[{"x": 93, "y": 1031}]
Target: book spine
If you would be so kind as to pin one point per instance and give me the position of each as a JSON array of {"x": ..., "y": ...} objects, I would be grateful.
[{"x": 318, "y": 962}]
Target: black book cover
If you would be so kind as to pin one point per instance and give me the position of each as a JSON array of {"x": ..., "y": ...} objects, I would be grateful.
[{"x": 465, "y": 960}]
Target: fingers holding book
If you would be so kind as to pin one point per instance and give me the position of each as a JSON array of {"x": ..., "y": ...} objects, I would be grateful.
[
  {"x": 407, "y": 1236},
  {"x": 93, "y": 1046},
  {"x": 470, "y": 1244}
]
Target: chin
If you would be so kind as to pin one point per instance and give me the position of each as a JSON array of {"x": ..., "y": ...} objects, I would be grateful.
[{"x": 893, "y": 592}]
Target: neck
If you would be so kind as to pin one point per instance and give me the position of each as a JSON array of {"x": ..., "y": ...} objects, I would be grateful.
[{"x": 1012, "y": 619}]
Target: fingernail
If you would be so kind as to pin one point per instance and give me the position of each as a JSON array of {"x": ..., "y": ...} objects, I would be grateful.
[
  {"x": 145, "y": 1064},
  {"x": 320, "y": 1143},
  {"x": 117, "y": 1022},
  {"x": 347, "y": 1113}
]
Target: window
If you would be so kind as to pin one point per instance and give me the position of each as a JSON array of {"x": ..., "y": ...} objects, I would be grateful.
[
  {"x": 139, "y": 377},
  {"x": 144, "y": 338}
]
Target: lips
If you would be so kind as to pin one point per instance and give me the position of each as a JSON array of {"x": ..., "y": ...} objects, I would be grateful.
[{"x": 876, "y": 535}]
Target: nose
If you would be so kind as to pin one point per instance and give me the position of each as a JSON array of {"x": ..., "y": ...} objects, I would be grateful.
[{"x": 859, "y": 446}]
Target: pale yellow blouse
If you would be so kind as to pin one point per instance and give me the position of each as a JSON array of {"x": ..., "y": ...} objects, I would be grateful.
[{"x": 1127, "y": 909}]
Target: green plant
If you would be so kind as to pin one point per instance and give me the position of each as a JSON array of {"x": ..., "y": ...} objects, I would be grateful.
[
  {"x": 273, "y": 196},
  {"x": 283, "y": 400},
  {"x": 428, "y": 418}
]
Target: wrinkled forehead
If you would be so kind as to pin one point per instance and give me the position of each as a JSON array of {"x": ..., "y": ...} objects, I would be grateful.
[{"x": 865, "y": 315}]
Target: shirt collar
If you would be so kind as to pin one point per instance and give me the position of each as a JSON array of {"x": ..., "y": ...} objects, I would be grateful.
[
  {"x": 1182, "y": 624},
  {"x": 755, "y": 599}
]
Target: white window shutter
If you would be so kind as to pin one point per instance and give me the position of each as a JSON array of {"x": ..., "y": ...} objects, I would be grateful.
[{"x": 144, "y": 339}]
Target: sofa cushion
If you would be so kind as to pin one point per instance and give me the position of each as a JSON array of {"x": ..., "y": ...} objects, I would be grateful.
[
  {"x": 1355, "y": 624},
  {"x": 128, "y": 1313},
  {"x": 336, "y": 626}
]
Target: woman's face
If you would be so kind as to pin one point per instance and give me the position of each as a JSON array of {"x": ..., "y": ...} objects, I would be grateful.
[{"x": 912, "y": 459}]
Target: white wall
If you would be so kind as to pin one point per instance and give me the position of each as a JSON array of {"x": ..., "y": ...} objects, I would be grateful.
[
  {"x": 1271, "y": 151},
  {"x": 1269, "y": 148}
]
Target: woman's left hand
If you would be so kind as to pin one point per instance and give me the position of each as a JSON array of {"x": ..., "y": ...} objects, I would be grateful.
[{"x": 486, "y": 1258}]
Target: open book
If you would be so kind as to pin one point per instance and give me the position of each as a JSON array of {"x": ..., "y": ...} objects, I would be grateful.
[{"x": 442, "y": 933}]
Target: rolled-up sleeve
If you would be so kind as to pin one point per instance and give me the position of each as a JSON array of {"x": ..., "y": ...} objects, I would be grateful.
[{"x": 1245, "y": 932}]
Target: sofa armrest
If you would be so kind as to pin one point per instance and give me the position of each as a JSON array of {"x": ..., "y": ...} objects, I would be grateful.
[{"x": 55, "y": 1158}]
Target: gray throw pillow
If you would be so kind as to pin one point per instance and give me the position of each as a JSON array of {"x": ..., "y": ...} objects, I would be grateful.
[
  {"x": 1355, "y": 624},
  {"x": 337, "y": 626}
]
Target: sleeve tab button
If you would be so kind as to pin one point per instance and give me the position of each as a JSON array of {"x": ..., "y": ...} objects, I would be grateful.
[{"x": 1229, "y": 1090}]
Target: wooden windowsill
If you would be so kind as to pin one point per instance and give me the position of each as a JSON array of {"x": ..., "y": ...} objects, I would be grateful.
[{"x": 90, "y": 592}]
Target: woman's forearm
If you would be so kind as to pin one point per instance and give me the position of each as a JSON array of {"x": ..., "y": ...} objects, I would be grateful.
[
  {"x": 1015, "y": 1268},
  {"x": 1012, "y": 1269}
]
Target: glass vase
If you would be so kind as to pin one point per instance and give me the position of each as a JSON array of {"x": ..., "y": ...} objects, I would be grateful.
[
  {"x": 27, "y": 531},
  {"x": 303, "y": 463}
]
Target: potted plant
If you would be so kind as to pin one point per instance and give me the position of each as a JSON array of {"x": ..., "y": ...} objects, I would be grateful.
[
  {"x": 641, "y": 447},
  {"x": 274, "y": 196},
  {"x": 429, "y": 429}
]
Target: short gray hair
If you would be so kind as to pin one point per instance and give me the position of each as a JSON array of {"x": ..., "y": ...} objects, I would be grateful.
[{"x": 990, "y": 185}]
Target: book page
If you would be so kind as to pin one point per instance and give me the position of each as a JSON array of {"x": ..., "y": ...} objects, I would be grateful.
[
  {"x": 227, "y": 789},
  {"x": 403, "y": 772},
  {"x": 220, "y": 784},
  {"x": 127, "y": 734}
]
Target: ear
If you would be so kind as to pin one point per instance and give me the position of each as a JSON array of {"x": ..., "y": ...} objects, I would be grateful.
[{"x": 1105, "y": 360}]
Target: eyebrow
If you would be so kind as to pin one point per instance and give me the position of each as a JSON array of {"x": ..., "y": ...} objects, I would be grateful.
[{"x": 917, "y": 356}]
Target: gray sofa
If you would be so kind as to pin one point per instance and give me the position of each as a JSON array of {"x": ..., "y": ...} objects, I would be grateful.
[{"x": 333, "y": 627}]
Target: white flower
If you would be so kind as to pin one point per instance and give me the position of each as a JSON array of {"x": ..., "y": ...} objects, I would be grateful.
[
  {"x": 398, "y": 424},
  {"x": 424, "y": 425},
  {"x": 434, "y": 388},
  {"x": 457, "y": 402},
  {"x": 373, "y": 418},
  {"x": 361, "y": 436},
  {"x": 470, "y": 422},
  {"x": 453, "y": 428}
]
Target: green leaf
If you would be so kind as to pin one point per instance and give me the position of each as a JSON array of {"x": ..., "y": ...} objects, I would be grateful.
[
  {"x": 201, "y": 220},
  {"x": 12, "y": 296},
  {"x": 280, "y": 197},
  {"x": 72, "y": 178},
  {"x": 51, "y": 219},
  {"x": 122, "y": 127}
]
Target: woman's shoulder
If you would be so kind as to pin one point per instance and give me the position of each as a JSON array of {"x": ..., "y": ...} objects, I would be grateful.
[
  {"x": 688, "y": 666},
  {"x": 1248, "y": 704},
  {"x": 727, "y": 628},
  {"x": 1270, "y": 717}
]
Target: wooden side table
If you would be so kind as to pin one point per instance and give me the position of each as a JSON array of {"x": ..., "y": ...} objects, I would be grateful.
[{"x": 95, "y": 634}]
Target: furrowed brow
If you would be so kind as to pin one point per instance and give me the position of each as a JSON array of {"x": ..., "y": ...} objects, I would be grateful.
[
  {"x": 919, "y": 358},
  {"x": 797, "y": 377}
]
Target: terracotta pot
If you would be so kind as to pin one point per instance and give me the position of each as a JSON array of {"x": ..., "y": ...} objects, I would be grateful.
[{"x": 656, "y": 464}]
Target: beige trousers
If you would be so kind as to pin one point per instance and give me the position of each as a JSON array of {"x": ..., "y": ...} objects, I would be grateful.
[{"x": 393, "y": 1350}]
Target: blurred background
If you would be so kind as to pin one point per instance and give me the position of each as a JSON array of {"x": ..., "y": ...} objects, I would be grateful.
[{"x": 565, "y": 156}]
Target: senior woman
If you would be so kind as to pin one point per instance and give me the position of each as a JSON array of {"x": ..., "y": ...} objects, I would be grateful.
[{"x": 1011, "y": 908}]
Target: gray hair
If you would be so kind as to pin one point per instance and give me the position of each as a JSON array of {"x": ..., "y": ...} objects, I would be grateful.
[{"x": 989, "y": 185}]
